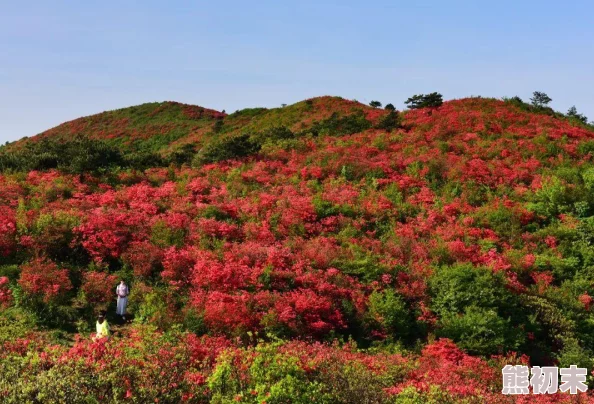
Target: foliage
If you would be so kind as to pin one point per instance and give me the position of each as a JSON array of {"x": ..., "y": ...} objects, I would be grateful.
[
  {"x": 77, "y": 156},
  {"x": 306, "y": 247},
  {"x": 225, "y": 149},
  {"x": 336, "y": 125},
  {"x": 391, "y": 312},
  {"x": 432, "y": 100},
  {"x": 540, "y": 99},
  {"x": 390, "y": 122},
  {"x": 574, "y": 114}
]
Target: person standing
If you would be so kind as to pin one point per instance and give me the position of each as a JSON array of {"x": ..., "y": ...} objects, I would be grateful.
[{"x": 122, "y": 291}]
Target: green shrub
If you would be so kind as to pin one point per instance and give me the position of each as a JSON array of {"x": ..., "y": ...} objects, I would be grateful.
[
  {"x": 274, "y": 378},
  {"x": 480, "y": 331},
  {"x": 164, "y": 236},
  {"x": 277, "y": 133},
  {"x": 152, "y": 309},
  {"x": 456, "y": 287},
  {"x": 77, "y": 156},
  {"x": 390, "y": 310},
  {"x": 435, "y": 395},
  {"x": 12, "y": 272},
  {"x": 390, "y": 122},
  {"x": 346, "y": 125},
  {"x": 225, "y": 149}
]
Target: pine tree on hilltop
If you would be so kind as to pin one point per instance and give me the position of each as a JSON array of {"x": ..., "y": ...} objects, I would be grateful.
[{"x": 432, "y": 100}]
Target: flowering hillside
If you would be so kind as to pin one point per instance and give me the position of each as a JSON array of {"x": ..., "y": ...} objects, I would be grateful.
[{"x": 313, "y": 253}]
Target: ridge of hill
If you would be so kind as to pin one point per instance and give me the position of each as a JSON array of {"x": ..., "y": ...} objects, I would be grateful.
[
  {"x": 147, "y": 126},
  {"x": 159, "y": 134},
  {"x": 165, "y": 126}
]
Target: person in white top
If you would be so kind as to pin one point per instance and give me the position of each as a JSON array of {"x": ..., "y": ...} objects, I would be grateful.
[{"x": 122, "y": 292}]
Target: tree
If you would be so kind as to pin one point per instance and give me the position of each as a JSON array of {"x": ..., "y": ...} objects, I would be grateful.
[
  {"x": 432, "y": 100},
  {"x": 540, "y": 99},
  {"x": 572, "y": 113},
  {"x": 390, "y": 107},
  {"x": 375, "y": 104}
]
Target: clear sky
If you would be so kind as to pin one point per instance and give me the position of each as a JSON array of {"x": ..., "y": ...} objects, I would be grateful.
[{"x": 63, "y": 59}]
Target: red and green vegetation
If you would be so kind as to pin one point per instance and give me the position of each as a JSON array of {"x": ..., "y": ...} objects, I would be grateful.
[{"x": 324, "y": 252}]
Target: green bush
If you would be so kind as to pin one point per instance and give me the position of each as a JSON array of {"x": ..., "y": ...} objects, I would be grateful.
[
  {"x": 277, "y": 133},
  {"x": 435, "y": 395},
  {"x": 164, "y": 236},
  {"x": 346, "y": 125},
  {"x": 77, "y": 156},
  {"x": 456, "y": 287},
  {"x": 274, "y": 378},
  {"x": 390, "y": 122},
  {"x": 142, "y": 160},
  {"x": 12, "y": 272},
  {"x": 183, "y": 155},
  {"x": 151, "y": 308},
  {"x": 392, "y": 313},
  {"x": 480, "y": 331},
  {"x": 226, "y": 148}
]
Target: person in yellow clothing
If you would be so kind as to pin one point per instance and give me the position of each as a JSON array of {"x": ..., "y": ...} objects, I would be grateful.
[{"x": 102, "y": 327}]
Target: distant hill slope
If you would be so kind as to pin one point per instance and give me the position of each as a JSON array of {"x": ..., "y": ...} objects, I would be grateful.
[
  {"x": 149, "y": 126},
  {"x": 161, "y": 134},
  {"x": 166, "y": 126}
]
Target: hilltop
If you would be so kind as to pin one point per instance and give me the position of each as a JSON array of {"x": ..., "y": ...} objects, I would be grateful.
[
  {"x": 159, "y": 134},
  {"x": 327, "y": 249},
  {"x": 163, "y": 126}
]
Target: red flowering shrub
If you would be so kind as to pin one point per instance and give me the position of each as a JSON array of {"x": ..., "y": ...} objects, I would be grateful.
[
  {"x": 586, "y": 300},
  {"x": 442, "y": 364},
  {"x": 143, "y": 257},
  {"x": 43, "y": 279},
  {"x": 177, "y": 264},
  {"x": 7, "y": 231},
  {"x": 98, "y": 287},
  {"x": 225, "y": 312},
  {"x": 5, "y": 292},
  {"x": 304, "y": 312},
  {"x": 215, "y": 228},
  {"x": 106, "y": 233}
]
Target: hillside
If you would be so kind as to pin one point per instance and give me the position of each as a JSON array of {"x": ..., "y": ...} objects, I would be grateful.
[
  {"x": 150, "y": 126},
  {"x": 312, "y": 253},
  {"x": 164, "y": 126}
]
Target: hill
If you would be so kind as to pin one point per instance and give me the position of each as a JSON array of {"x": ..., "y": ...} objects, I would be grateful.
[
  {"x": 161, "y": 126},
  {"x": 318, "y": 252},
  {"x": 159, "y": 134},
  {"x": 147, "y": 126}
]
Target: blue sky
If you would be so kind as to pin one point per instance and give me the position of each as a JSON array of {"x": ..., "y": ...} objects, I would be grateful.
[{"x": 63, "y": 59}]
